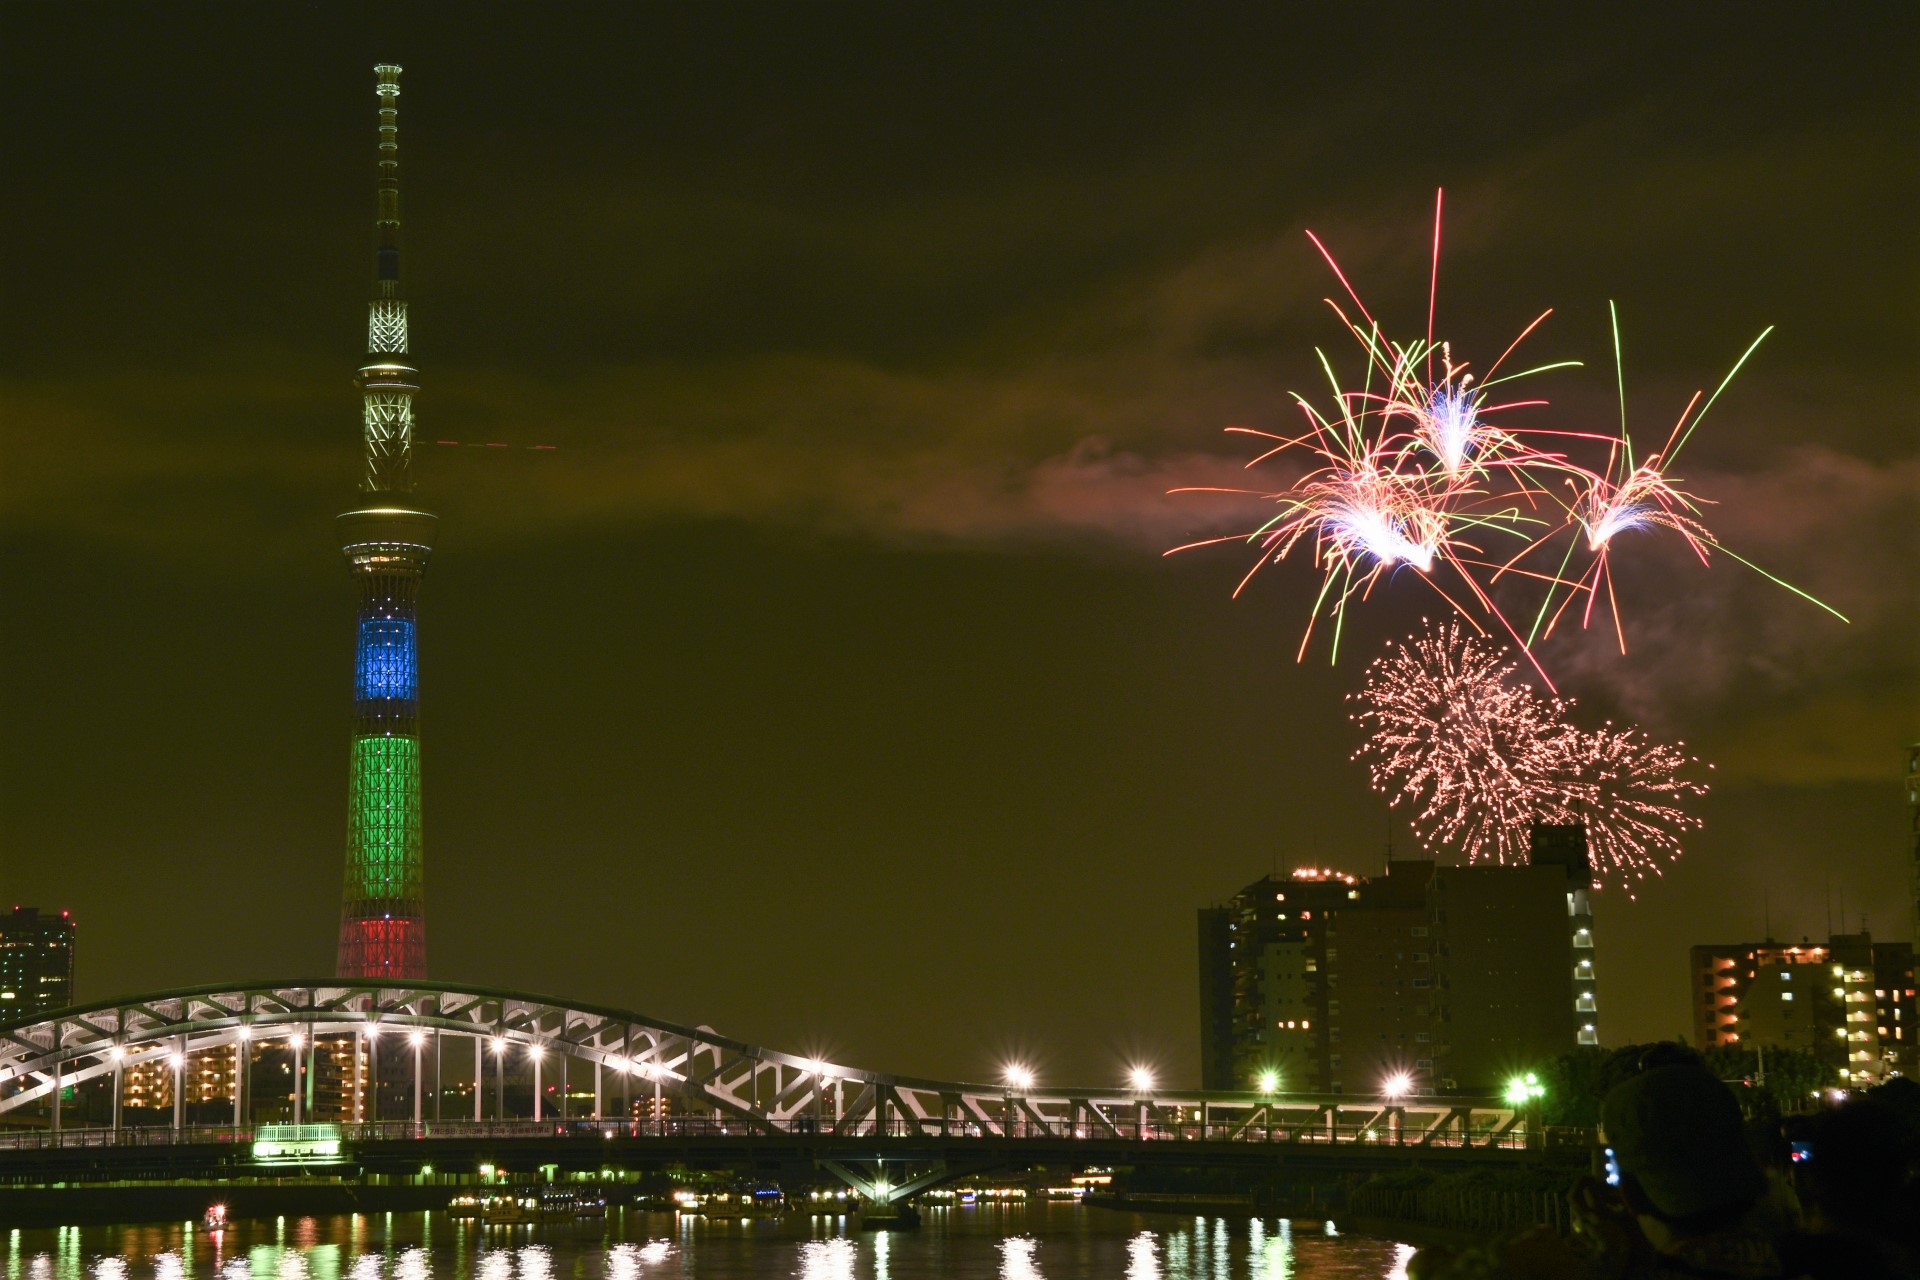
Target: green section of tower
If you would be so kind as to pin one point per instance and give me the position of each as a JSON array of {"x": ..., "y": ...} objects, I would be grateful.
[{"x": 384, "y": 863}]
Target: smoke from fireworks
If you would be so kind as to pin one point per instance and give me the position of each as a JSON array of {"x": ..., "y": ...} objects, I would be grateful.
[{"x": 1481, "y": 757}]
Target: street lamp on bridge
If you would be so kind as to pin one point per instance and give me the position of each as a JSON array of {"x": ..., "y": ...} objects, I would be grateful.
[{"x": 1017, "y": 1078}]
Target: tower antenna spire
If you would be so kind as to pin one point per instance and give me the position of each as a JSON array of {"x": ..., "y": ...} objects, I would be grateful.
[
  {"x": 387, "y": 540},
  {"x": 388, "y": 380},
  {"x": 388, "y": 219}
]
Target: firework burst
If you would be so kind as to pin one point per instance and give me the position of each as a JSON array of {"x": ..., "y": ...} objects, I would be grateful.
[
  {"x": 1481, "y": 757},
  {"x": 1626, "y": 497},
  {"x": 1413, "y": 475},
  {"x": 1411, "y": 471}
]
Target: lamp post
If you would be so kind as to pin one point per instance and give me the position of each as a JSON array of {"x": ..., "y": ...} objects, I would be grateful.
[
  {"x": 295, "y": 1042},
  {"x": 1523, "y": 1095},
  {"x": 1396, "y": 1087},
  {"x": 241, "y": 1040},
  {"x": 118, "y": 1054},
  {"x": 1018, "y": 1079},
  {"x": 418, "y": 1038},
  {"x": 533, "y": 1051},
  {"x": 1142, "y": 1081}
]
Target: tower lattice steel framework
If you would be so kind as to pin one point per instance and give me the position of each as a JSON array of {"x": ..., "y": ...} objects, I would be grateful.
[{"x": 387, "y": 540}]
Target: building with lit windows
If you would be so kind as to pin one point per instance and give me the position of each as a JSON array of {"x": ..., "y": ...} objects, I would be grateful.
[
  {"x": 1455, "y": 977},
  {"x": 1913, "y": 831},
  {"x": 1848, "y": 1000},
  {"x": 36, "y": 962}
]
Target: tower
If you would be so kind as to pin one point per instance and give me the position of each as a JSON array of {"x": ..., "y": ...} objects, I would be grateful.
[{"x": 387, "y": 540}]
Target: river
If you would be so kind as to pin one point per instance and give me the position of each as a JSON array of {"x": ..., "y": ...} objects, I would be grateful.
[{"x": 1050, "y": 1241}]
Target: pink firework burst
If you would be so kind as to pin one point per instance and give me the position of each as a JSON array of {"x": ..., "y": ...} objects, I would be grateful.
[
  {"x": 1411, "y": 474},
  {"x": 1481, "y": 757}
]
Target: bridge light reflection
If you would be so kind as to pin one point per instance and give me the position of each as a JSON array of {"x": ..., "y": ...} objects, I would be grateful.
[
  {"x": 1019, "y": 1077},
  {"x": 499, "y": 1046},
  {"x": 1269, "y": 1081},
  {"x": 1397, "y": 1086},
  {"x": 1141, "y": 1078}
]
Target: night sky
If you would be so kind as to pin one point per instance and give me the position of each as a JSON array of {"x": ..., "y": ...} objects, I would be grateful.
[{"x": 824, "y": 684}]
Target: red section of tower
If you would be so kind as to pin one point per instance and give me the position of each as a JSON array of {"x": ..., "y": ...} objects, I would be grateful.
[{"x": 383, "y": 948}]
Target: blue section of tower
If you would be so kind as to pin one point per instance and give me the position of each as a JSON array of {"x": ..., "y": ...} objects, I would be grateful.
[{"x": 385, "y": 666}]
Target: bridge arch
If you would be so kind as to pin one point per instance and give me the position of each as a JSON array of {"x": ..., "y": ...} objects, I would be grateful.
[{"x": 756, "y": 1090}]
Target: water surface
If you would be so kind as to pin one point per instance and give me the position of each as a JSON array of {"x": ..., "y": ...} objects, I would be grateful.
[{"x": 1040, "y": 1242}]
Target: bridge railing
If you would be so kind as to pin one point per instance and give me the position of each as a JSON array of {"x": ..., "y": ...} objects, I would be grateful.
[{"x": 710, "y": 1127}]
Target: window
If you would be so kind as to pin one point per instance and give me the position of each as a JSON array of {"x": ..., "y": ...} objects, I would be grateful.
[
  {"x": 1419, "y": 931},
  {"x": 1786, "y": 995},
  {"x": 1420, "y": 982}
]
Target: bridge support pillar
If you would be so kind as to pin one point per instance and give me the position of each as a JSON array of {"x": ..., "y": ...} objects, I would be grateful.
[
  {"x": 416, "y": 1080},
  {"x": 56, "y": 1089},
  {"x": 116, "y": 1088},
  {"x": 479, "y": 1077},
  {"x": 536, "y": 1083},
  {"x": 599, "y": 1094}
]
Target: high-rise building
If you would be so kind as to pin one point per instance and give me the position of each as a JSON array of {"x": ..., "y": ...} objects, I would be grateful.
[
  {"x": 387, "y": 540},
  {"x": 1913, "y": 833},
  {"x": 1216, "y": 998},
  {"x": 36, "y": 963},
  {"x": 1845, "y": 1000},
  {"x": 1454, "y": 977}
]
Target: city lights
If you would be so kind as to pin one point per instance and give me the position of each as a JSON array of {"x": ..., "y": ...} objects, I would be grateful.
[
  {"x": 1019, "y": 1077},
  {"x": 1398, "y": 1085},
  {"x": 1141, "y": 1078},
  {"x": 1269, "y": 1081}
]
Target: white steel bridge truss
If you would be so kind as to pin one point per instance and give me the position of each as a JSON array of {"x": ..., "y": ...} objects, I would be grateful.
[{"x": 743, "y": 1088}]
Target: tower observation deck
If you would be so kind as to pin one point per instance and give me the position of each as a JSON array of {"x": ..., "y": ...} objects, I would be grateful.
[{"x": 387, "y": 540}]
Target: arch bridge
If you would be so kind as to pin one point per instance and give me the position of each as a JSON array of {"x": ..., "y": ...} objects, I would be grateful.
[{"x": 405, "y": 1071}]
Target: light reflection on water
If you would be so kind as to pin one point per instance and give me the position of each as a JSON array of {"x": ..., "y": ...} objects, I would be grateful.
[{"x": 1060, "y": 1242}]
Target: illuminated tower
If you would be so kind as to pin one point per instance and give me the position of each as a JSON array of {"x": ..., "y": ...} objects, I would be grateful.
[{"x": 387, "y": 540}]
